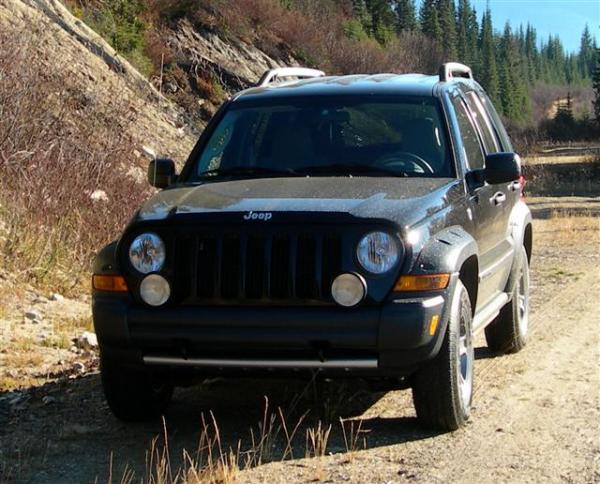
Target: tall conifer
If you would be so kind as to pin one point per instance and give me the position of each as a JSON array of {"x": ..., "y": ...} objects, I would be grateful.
[
  {"x": 429, "y": 20},
  {"x": 489, "y": 69}
]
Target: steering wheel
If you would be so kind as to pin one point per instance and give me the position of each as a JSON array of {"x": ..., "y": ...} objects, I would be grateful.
[{"x": 400, "y": 157}]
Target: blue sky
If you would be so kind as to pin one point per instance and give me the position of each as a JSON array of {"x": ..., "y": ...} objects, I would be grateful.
[{"x": 567, "y": 18}]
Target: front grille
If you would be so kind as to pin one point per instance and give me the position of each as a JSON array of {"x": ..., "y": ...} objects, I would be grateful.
[{"x": 258, "y": 268}]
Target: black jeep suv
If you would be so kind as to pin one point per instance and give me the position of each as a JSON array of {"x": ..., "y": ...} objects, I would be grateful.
[{"x": 363, "y": 225}]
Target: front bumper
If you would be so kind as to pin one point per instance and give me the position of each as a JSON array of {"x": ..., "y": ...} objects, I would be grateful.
[{"x": 391, "y": 339}]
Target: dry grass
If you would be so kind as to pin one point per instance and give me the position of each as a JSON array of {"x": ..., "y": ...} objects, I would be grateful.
[
  {"x": 74, "y": 326},
  {"x": 272, "y": 439},
  {"x": 354, "y": 438},
  {"x": 555, "y": 159},
  {"x": 317, "y": 439},
  {"x": 561, "y": 229},
  {"x": 58, "y": 145}
]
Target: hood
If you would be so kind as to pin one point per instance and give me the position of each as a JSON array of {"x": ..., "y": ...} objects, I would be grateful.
[{"x": 405, "y": 201}]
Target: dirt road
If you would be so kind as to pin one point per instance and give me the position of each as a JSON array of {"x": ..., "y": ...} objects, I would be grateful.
[{"x": 536, "y": 415}]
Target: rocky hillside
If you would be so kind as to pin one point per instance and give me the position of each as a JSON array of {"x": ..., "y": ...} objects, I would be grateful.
[{"x": 66, "y": 42}]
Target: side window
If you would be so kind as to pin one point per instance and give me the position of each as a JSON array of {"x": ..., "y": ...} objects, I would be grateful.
[
  {"x": 470, "y": 139},
  {"x": 496, "y": 121},
  {"x": 482, "y": 120}
]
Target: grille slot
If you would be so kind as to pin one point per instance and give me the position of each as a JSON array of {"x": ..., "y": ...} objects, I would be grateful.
[
  {"x": 260, "y": 268},
  {"x": 230, "y": 267},
  {"x": 206, "y": 267},
  {"x": 255, "y": 267}
]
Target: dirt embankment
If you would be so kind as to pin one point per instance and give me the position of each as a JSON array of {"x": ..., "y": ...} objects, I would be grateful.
[{"x": 68, "y": 45}]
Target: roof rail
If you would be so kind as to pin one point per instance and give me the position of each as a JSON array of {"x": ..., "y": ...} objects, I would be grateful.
[
  {"x": 449, "y": 70},
  {"x": 300, "y": 72}
]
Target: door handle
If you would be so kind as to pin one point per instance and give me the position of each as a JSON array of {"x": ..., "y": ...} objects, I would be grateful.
[
  {"x": 498, "y": 199},
  {"x": 514, "y": 186}
]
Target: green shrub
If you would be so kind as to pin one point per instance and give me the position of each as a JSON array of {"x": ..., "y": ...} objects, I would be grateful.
[
  {"x": 120, "y": 23},
  {"x": 354, "y": 29}
]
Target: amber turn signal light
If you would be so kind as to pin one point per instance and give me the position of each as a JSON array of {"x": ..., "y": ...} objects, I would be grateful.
[
  {"x": 110, "y": 283},
  {"x": 430, "y": 282},
  {"x": 433, "y": 324}
]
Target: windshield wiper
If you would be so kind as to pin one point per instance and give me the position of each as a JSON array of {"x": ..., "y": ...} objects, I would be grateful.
[
  {"x": 245, "y": 171},
  {"x": 349, "y": 169}
]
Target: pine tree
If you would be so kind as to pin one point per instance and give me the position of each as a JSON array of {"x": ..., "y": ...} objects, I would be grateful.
[
  {"x": 447, "y": 19},
  {"x": 489, "y": 69},
  {"x": 462, "y": 28},
  {"x": 473, "y": 41},
  {"x": 596, "y": 84},
  {"x": 383, "y": 19},
  {"x": 429, "y": 20},
  {"x": 505, "y": 79},
  {"x": 360, "y": 24},
  {"x": 513, "y": 83},
  {"x": 586, "y": 54},
  {"x": 572, "y": 71},
  {"x": 532, "y": 54},
  {"x": 406, "y": 14}
]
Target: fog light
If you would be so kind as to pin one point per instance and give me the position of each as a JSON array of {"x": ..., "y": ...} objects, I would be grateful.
[
  {"x": 155, "y": 290},
  {"x": 348, "y": 289}
]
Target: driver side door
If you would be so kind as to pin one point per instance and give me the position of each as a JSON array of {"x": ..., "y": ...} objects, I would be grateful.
[{"x": 485, "y": 207}]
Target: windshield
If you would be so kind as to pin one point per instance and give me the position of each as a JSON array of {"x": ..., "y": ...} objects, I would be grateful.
[{"x": 358, "y": 135}]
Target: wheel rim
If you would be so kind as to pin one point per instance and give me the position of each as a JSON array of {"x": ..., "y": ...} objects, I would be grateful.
[
  {"x": 466, "y": 357},
  {"x": 522, "y": 294}
]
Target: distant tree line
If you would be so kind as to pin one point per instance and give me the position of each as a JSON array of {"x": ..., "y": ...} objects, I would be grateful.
[
  {"x": 506, "y": 63},
  {"x": 596, "y": 83},
  {"x": 524, "y": 75}
]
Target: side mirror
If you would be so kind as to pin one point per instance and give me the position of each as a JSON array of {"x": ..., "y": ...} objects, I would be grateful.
[
  {"x": 161, "y": 172},
  {"x": 502, "y": 168}
]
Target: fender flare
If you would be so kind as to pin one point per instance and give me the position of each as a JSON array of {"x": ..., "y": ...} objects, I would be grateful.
[
  {"x": 446, "y": 252},
  {"x": 105, "y": 261},
  {"x": 520, "y": 219}
]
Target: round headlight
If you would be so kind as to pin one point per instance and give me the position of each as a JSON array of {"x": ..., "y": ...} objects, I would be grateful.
[
  {"x": 147, "y": 253},
  {"x": 348, "y": 289},
  {"x": 377, "y": 252},
  {"x": 155, "y": 290}
]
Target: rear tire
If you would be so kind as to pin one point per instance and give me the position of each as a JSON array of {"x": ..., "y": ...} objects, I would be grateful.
[
  {"x": 508, "y": 332},
  {"x": 443, "y": 389},
  {"x": 133, "y": 395}
]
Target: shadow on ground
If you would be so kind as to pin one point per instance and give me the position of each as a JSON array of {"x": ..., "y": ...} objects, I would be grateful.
[{"x": 64, "y": 431}]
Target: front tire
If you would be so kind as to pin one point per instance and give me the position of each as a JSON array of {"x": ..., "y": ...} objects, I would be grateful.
[
  {"x": 133, "y": 395},
  {"x": 508, "y": 332},
  {"x": 443, "y": 389}
]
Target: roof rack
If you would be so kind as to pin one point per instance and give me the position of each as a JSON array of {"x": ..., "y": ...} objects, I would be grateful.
[
  {"x": 299, "y": 72},
  {"x": 450, "y": 70}
]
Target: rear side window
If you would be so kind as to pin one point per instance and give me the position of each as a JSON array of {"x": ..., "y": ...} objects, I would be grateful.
[
  {"x": 482, "y": 120},
  {"x": 470, "y": 139},
  {"x": 496, "y": 121}
]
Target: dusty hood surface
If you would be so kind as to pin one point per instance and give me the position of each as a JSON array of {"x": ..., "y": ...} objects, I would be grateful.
[{"x": 401, "y": 200}]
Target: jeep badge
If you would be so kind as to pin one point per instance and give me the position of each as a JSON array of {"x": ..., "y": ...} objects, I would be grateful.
[{"x": 258, "y": 216}]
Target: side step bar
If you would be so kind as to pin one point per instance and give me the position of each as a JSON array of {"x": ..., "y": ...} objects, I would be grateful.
[
  {"x": 485, "y": 316},
  {"x": 266, "y": 364}
]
